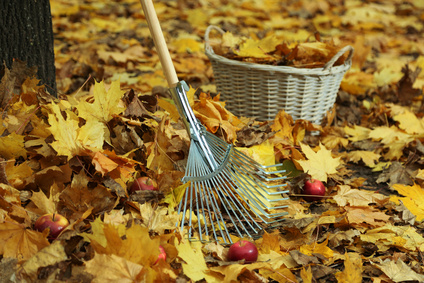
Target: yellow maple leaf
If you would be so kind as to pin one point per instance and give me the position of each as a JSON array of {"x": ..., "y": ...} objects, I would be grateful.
[
  {"x": 16, "y": 241},
  {"x": 368, "y": 157},
  {"x": 306, "y": 275},
  {"x": 353, "y": 269},
  {"x": 190, "y": 45},
  {"x": 409, "y": 122},
  {"x": 258, "y": 48},
  {"x": 137, "y": 246},
  {"x": 158, "y": 219},
  {"x": 262, "y": 153},
  {"x": 413, "y": 199},
  {"x": 357, "y": 133},
  {"x": 388, "y": 235},
  {"x": 170, "y": 108},
  {"x": 106, "y": 104},
  {"x": 93, "y": 134},
  {"x": 319, "y": 164},
  {"x": 317, "y": 248},
  {"x": 43, "y": 203},
  {"x": 12, "y": 146},
  {"x": 393, "y": 139},
  {"x": 194, "y": 265},
  {"x": 113, "y": 268},
  {"x": 65, "y": 132}
]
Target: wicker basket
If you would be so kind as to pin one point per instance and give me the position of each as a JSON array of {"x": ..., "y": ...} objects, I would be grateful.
[{"x": 261, "y": 91}]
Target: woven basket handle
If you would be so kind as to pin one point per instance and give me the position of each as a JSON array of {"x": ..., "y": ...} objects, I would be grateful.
[
  {"x": 160, "y": 43},
  {"x": 208, "y": 30},
  {"x": 342, "y": 51}
]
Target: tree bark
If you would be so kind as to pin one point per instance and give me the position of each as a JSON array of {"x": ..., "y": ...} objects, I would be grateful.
[{"x": 26, "y": 33}]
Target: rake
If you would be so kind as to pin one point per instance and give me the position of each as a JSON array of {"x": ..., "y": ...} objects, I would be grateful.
[{"x": 226, "y": 187}]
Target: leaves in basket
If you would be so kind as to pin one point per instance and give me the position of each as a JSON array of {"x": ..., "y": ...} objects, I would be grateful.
[{"x": 274, "y": 50}]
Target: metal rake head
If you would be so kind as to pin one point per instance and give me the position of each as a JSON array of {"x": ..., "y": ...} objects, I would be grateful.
[{"x": 226, "y": 186}]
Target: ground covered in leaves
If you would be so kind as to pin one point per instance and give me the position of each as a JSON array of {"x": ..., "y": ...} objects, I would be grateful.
[{"x": 114, "y": 121}]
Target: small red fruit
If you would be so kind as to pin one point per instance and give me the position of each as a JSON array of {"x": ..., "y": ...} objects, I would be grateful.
[
  {"x": 314, "y": 190},
  {"x": 54, "y": 221},
  {"x": 243, "y": 250},
  {"x": 162, "y": 254},
  {"x": 144, "y": 184}
]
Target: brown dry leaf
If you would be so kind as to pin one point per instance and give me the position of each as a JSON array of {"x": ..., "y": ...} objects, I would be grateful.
[
  {"x": 366, "y": 215},
  {"x": 213, "y": 115},
  {"x": 112, "y": 268},
  {"x": 10, "y": 205},
  {"x": 353, "y": 269},
  {"x": 79, "y": 198},
  {"x": 18, "y": 242},
  {"x": 282, "y": 274},
  {"x": 355, "y": 197},
  {"x": 169, "y": 146},
  {"x": 49, "y": 255},
  {"x": 398, "y": 271}
]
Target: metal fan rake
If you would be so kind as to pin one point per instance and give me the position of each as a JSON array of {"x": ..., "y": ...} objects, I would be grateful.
[{"x": 227, "y": 187}]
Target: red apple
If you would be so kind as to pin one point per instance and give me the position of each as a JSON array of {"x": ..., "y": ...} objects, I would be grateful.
[
  {"x": 162, "y": 254},
  {"x": 314, "y": 190},
  {"x": 243, "y": 250},
  {"x": 144, "y": 184},
  {"x": 54, "y": 221}
]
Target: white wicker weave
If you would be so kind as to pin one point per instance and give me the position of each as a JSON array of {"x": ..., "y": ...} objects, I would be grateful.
[{"x": 261, "y": 91}]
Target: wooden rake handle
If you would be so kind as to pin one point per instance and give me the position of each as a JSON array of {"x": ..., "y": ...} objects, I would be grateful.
[{"x": 160, "y": 43}]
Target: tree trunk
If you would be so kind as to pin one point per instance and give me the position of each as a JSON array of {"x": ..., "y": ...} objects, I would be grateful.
[{"x": 26, "y": 34}]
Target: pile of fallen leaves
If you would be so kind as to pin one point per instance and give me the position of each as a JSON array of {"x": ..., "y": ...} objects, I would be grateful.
[{"x": 113, "y": 122}]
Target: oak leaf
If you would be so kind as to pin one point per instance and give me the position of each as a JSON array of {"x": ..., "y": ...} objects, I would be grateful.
[{"x": 320, "y": 164}]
